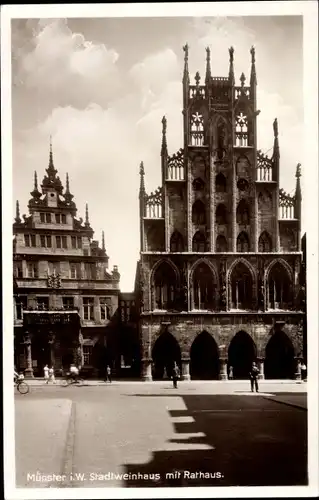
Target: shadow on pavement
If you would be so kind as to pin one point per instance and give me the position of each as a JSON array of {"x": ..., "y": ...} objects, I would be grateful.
[{"x": 240, "y": 442}]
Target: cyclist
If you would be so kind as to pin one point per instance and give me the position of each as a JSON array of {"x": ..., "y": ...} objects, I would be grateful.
[{"x": 74, "y": 372}]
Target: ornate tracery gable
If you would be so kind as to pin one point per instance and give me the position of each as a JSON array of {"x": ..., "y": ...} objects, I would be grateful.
[
  {"x": 247, "y": 264},
  {"x": 283, "y": 263},
  {"x": 206, "y": 261}
]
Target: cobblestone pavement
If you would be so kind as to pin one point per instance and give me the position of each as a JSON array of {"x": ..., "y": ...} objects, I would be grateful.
[{"x": 140, "y": 434}]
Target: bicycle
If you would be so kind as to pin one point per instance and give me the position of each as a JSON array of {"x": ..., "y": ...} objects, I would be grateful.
[
  {"x": 69, "y": 380},
  {"x": 22, "y": 386}
]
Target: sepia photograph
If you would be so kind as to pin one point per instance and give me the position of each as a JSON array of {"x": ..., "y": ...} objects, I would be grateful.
[{"x": 158, "y": 261}]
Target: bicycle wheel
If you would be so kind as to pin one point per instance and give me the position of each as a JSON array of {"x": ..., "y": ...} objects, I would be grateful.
[
  {"x": 65, "y": 382},
  {"x": 23, "y": 387}
]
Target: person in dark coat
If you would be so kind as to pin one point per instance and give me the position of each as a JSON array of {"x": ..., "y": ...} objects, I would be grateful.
[
  {"x": 108, "y": 376},
  {"x": 175, "y": 375},
  {"x": 253, "y": 375}
]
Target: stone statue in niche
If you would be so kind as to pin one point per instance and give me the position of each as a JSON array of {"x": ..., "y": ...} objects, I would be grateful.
[
  {"x": 223, "y": 289},
  {"x": 242, "y": 167}
]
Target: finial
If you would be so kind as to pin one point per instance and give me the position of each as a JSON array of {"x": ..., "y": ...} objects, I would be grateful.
[
  {"x": 17, "y": 218},
  {"x": 51, "y": 154},
  {"x": 208, "y": 69},
  {"x": 164, "y": 142},
  {"x": 197, "y": 78},
  {"x": 253, "y": 77},
  {"x": 87, "y": 222},
  {"x": 142, "y": 172},
  {"x": 186, "y": 73},
  {"x": 298, "y": 171},
  {"x": 275, "y": 126},
  {"x": 242, "y": 79},
  {"x": 103, "y": 241},
  {"x": 231, "y": 66},
  {"x": 35, "y": 181}
]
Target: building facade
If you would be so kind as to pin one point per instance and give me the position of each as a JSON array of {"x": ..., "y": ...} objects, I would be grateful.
[
  {"x": 218, "y": 283},
  {"x": 65, "y": 298}
]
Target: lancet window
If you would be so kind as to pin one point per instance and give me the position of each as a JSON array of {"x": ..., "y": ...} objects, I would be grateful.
[
  {"x": 221, "y": 243},
  {"x": 241, "y": 130},
  {"x": 198, "y": 213},
  {"x": 279, "y": 288},
  {"x": 242, "y": 214},
  {"x": 264, "y": 243},
  {"x": 203, "y": 288},
  {"x": 241, "y": 287},
  {"x": 243, "y": 242},
  {"x": 220, "y": 184},
  {"x": 197, "y": 129},
  {"x": 221, "y": 214},
  {"x": 199, "y": 242},
  {"x": 164, "y": 283},
  {"x": 177, "y": 243}
]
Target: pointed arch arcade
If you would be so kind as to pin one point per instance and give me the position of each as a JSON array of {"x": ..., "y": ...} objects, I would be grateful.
[
  {"x": 279, "y": 360},
  {"x": 204, "y": 358},
  {"x": 241, "y": 354},
  {"x": 200, "y": 243},
  {"x": 241, "y": 286},
  {"x": 165, "y": 353}
]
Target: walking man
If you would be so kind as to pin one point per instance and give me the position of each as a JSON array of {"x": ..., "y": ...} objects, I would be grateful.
[
  {"x": 108, "y": 374},
  {"x": 254, "y": 372},
  {"x": 46, "y": 374},
  {"x": 303, "y": 370},
  {"x": 51, "y": 374},
  {"x": 175, "y": 375}
]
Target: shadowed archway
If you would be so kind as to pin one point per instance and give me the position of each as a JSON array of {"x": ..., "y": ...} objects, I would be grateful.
[
  {"x": 241, "y": 354},
  {"x": 165, "y": 353},
  {"x": 204, "y": 358},
  {"x": 279, "y": 360}
]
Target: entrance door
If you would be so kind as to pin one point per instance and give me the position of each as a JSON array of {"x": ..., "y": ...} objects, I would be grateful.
[
  {"x": 279, "y": 361},
  {"x": 204, "y": 360},
  {"x": 241, "y": 354},
  {"x": 166, "y": 352},
  {"x": 41, "y": 354}
]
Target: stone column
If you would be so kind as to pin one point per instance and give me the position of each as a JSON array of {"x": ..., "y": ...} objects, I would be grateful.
[
  {"x": 261, "y": 369},
  {"x": 298, "y": 369},
  {"x": 29, "y": 369},
  {"x": 223, "y": 369},
  {"x": 147, "y": 370},
  {"x": 185, "y": 369}
]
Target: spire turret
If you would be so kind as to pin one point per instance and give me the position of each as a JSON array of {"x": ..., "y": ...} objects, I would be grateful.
[
  {"x": 231, "y": 75},
  {"x": 103, "y": 242},
  {"x": 17, "y": 217},
  {"x": 142, "y": 183},
  {"x": 35, "y": 193},
  {"x": 51, "y": 180},
  {"x": 298, "y": 186},
  {"x": 186, "y": 72},
  {"x": 253, "y": 77},
  {"x": 87, "y": 222},
  {"x": 67, "y": 195},
  {"x": 276, "y": 152},
  {"x": 164, "y": 142},
  {"x": 208, "y": 68}
]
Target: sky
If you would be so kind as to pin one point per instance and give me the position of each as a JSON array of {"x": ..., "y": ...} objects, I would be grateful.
[{"x": 100, "y": 87}]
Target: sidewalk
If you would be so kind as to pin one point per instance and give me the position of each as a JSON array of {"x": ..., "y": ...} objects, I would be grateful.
[{"x": 99, "y": 382}]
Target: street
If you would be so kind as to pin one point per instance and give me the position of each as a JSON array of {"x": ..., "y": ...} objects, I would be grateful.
[{"x": 140, "y": 434}]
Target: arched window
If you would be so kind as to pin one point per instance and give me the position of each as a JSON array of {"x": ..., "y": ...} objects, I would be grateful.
[
  {"x": 198, "y": 184},
  {"x": 264, "y": 243},
  {"x": 203, "y": 288},
  {"x": 241, "y": 287},
  {"x": 177, "y": 243},
  {"x": 221, "y": 214},
  {"x": 242, "y": 214},
  {"x": 164, "y": 283},
  {"x": 279, "y": 288},
  {"x": 220, "y": 183},
  {"x": 242, "y": 242},
  {"x": 221, "y": 243},
  {"x": 198, "y": 213},
  {"x": 199, "y": 242}
]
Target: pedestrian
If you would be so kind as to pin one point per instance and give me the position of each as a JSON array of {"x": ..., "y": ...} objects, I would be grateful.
[
  {"x": 303, "y": 370},
  {"x": 51, "y": 374},
  {"x": 175, "y": 375},
  {"x": 253, "y": 374},
  {"x": 108, "y": 377},
  {"x": 46, "y": 373},
  {"x": 231, "y": 373},
  {"x": 74, "y": 372}
]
